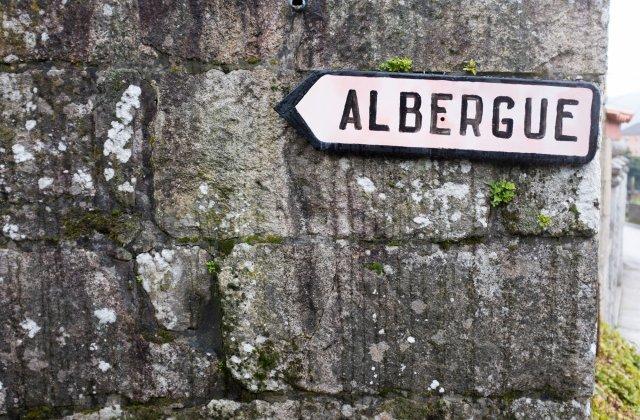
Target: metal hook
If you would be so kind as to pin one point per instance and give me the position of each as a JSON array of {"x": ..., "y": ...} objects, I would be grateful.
[{"x": 298, "y": 5}]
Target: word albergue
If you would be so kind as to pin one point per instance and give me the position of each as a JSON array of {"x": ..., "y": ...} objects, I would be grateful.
[{"x": 501, "y": 126}]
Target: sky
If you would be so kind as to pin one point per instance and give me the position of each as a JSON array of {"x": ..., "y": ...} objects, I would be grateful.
[{"x": 623, "y": 75}]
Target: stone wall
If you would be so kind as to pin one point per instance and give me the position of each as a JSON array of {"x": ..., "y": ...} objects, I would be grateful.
[
  {"x": 613, "y": 215},
  {"x": 170, "y": 245},
  {"x": 633, "y": 213}
]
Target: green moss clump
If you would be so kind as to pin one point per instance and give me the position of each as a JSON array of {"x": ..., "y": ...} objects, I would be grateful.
[
  {"x": 397, "y": 64},
  {"x": 213, "y": 267},
  {"x": 502, "y": 192},
  {"x": 617, "y": 392},
  {"x": 267, "y": 360},
  {"x": 544, "y": 221},
  {"x": 267, "y": 239},
  {"x": 405, "y": 408},
  {"x": 471, "y": 66},
  {"x": 119, "y": 227},
  {"x": 161, "y": 336},
  {"x": 253, "y": 60},
  {"x": 38, "y": 413},
  {"x": 376, "y": 267},
  {"x": 139, "y": 279}
]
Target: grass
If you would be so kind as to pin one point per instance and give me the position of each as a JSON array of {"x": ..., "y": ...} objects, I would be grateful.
[{"x": 617, "y": 391}]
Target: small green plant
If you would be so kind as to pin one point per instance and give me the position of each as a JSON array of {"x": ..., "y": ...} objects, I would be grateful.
[
  {"x": 212, "y": 267},
  {"x": 471, "y": 66},
  {"x": 376, "y": 267},
  {"x": 397, "y": 64},
  {"x": 502, "y": 192},
  {"x": 139, "y": 279},
  {"x": 544, "y": 221},
  {"x": 617, "y": 391}
]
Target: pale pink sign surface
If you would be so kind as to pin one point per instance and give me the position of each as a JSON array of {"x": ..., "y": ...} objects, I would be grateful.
[{"x": 323, "y": 105}]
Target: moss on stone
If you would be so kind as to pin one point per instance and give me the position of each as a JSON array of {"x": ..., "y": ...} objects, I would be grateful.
[
  {"x": 471, "y": 66},
  {"x": 266, "y": 239},
  {"x": 617, "y": 391},
  {"x": 397, "y": 64},
  {"x": 213, "y": 267},
  {"x": 405, "y": 408},
  {"x": 118, "y": 226},
  {"x": 40, "y": 412},
  {"x": 161, "y": 336},
  {"x": 376, "y": 267},
  {"x": 544, "y": 221},
  {"x": 267, "y": 359}
]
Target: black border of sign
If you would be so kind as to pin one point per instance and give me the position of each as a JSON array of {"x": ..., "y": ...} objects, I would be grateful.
[{"x": 286, "y": 109}]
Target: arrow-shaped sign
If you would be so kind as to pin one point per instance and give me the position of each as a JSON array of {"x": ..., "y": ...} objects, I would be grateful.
[{"x": 520, "y": 120}]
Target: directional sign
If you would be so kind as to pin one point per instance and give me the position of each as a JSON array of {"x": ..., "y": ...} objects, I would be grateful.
[{"x": 520, "y": 120}]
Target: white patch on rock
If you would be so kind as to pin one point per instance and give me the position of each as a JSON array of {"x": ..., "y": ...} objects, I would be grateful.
[
  {"x": 204, "y": 189},
  {"x": 434, "y": 384},
  {"x": 418, "y": 306},
  {"x": 30, "y": 327},
  {"x": 30, "y": 125},
  {"x": 11, "y": 58},
  {"x": 45, "y": 182},
  {"x": 451, "y": 189},
  {"x": 126, "y": 187},
  {"x": 171, "y": 278},
  {"x": 376, "y": 351},
  {"x": 62, "y": 147},
  {"x": 247, "y": 348},
  {"x": 11, "y": 231},
  {"x": 121, "y": 132},
  {"x": 107, "y": 10},
  {"x": 366, "y": 184},
  {"x": 44, "y": 37},
  {"x": 223, "y": 409},
  {"x": 109, "y": 173},
  {"x": 81, "y": 182},
  {"x": 20, "y": 153},
  {"x": 422, "y": 220},
  {"x": 105, "y": 316},
  {"x": 411, "y": 340},
  {"x": 104, "y": 366}
]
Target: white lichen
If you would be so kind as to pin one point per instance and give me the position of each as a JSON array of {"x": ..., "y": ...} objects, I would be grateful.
[
  {"x": 104, "y": 366},
  {"x": 126, "y": 187},
  {"x": 30, "y": 327},
  {"x": 105, "y": 316},
  {"x": 81, "y": 181},
  {"x": 109, "y": 173},
  {"x": 366, "y": 184},
  {"x": 121, "y": 131},
  {"x": 45, "y": 182},
  {"x": 11, "y": 230},
  {"x": 20, "y": 153}
]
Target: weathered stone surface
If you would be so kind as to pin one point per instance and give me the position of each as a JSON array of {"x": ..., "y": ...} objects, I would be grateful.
[
  {"x": 568, "y": 195},
  {"x": 177, "y": 282},
  {"x": 247, "y": 176},
  {"x": 483, "y": 319},
  {"x": 133, "y": 130},
  {"x": 396, "y": 408},
  {"x": 84, "y": 31},
  {"x": 76, "y": 328}
]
